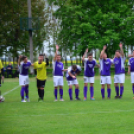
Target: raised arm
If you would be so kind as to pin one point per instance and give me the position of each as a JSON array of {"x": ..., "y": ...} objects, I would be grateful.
[
  {"x": 130, "y": 55},
  {"x": 121, "y": 49},
  {"x": 19, "y": 60},
  {"x": 85, "y": 54},
  {"x": 128, "y": 69},
  {"x": 103, "y": 51},
  {"x": 57, "y": 48}
]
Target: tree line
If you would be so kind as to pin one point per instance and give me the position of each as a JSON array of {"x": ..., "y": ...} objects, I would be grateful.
[{"x": 93, "y": 24}]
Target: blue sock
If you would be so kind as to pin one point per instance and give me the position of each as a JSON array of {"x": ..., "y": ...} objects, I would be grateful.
[{"x": 70, "y": 94}]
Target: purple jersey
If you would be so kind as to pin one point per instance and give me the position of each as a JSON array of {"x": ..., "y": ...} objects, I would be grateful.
[
  {"x": 119, "y": 64},
  {"x": 69, "y": 78},
  {"x": 131, "y": 64},
  {"x": 89, "y": 67},
  {"x": 24, "y": 67},
  {"x": 105, "y": 66},
  {"x": 58, "y": 68}
]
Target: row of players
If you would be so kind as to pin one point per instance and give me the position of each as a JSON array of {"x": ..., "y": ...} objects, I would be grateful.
[{"x": 74, "y": 70}]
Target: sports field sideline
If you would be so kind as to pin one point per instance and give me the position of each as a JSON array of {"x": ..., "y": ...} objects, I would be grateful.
[{"x": 112, "y": 116}]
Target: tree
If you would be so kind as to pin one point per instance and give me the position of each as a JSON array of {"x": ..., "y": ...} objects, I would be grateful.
[
  {"x": 11, "y": 36},
  {"x": 93, "y": 23}
]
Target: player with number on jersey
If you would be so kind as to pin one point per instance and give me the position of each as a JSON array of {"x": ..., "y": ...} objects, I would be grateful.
[
  {"x": 89, "y": 64},
  {"x": 105, "y": 65},
  {"x": 24, "y": 65},
  {"x": 119, "y": 77},
  {"x": 58, "y": 69}
]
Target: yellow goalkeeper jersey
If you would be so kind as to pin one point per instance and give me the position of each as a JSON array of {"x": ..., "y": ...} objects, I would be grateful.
[
  {"x": 1, "y": 66},
  {"x": 41, "y": 70}
]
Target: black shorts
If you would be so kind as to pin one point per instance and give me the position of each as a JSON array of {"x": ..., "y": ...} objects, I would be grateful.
[{"x": 41, "y": 84}]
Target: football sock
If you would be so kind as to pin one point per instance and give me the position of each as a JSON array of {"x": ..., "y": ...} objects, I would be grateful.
[
  {"x": 117, "y": 91},
  {"x": 121, "y": 90},
  {"x": 103, "y": 93},
  {"x": 39, "y": 92},
  {"x": 85, "y": 91},
  {"x": 27, "y": 91},
  {"x": 133, "y": 89},
  {"x": 42, "y": 93},
  {"x": 109, "y": 92},
  {"x": 70, "y": 93},
  {"x": 76, "y": 93},
  {"x": 61, "y": 93},
  {"x": 91, "y": 92},
  {"x": 55, "y": 93},
  {"x": 22, "y": 92}
]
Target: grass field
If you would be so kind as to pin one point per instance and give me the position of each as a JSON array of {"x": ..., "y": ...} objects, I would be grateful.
[{"x": 68, "y": 117}]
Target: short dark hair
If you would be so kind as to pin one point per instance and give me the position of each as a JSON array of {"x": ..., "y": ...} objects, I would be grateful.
[
  {"x": 41, "y": 54},
  {"x": 117, "y": 51},
  {"x": 90, "y": 54},
  {"x": 74, "y": 67},
  {"x": 23, "y": 57}
]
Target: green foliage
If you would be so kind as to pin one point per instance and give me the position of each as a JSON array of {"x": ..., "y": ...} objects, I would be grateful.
[
  {"x": 93, "y": 23},
  {"x": 11, "y": 36}
]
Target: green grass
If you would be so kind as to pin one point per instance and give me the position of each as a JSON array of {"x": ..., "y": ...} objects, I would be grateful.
[{"x": 68, "y": 117}]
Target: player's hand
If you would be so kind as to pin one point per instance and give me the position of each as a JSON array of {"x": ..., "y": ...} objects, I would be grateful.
[
  {"x": 128, "y": 72},
  {"x": 73, "y": 77},
  {"x": 120, "y": 45},
  {"x": 129, "y": 56},
  {"x": 57, "y": 47},
  {"x": 87, "y": 50},
  {"x": 104, "y": 47},
  {"x": 20, "y": 56},
  {"x": 98, "y": 66}
]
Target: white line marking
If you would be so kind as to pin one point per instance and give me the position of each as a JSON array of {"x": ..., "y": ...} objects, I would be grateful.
[{"x": 10, "y": 90}]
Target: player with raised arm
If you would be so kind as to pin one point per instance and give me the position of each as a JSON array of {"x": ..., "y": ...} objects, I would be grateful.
[
  {"x": 40, "y": 66},
  {"x": 105, "y": 65},
  {"x": 119, "y": 77},
  {"x": 71, "y": 74},
  {"x": 58, "y": 69},
  {"x": 24, "y": 65},
  {"x": 131, "y": 70},
  {"x": 89, "y": 64}
]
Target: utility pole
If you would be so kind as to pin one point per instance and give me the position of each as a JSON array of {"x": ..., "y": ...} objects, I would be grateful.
[{"x": 30, "y": 31}]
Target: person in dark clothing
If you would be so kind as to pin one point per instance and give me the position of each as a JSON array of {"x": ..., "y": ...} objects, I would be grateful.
[{"x": 9, "y": 69}]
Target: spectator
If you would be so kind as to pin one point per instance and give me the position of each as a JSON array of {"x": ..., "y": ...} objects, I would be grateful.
[{"x": 9, "y": 69}]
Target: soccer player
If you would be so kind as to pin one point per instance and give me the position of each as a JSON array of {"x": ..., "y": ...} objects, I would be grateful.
[
  {"x": 58, "y": 69},
  {"x": 131, "y": 70},
  {"x": 89, "y": 64},
  {"x": 105, "y": 65},
  {"x": 71, "y": 74},
  {"x": 40, "y": 66},
  {"x": 119, "y": 77},
  {"x": 24, "y": 66},
  {"x": 1, "y": 72}
]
